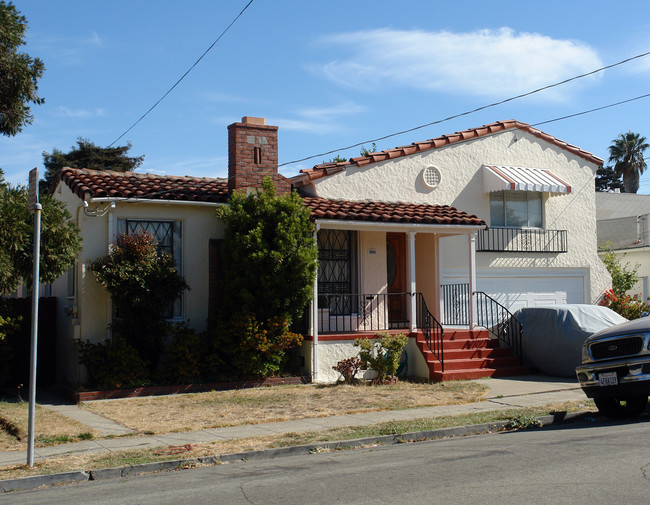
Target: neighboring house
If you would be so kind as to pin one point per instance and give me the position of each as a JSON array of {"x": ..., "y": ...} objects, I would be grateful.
[
  {"x": 622, "y": 220},
  {"x": 405, "y": 236}
]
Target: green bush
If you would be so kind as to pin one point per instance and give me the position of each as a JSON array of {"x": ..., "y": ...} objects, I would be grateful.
[
  {"x": 142, "y": 284},
  {"x": 258, "y": 349},
  {"x": 113, "y": 364},
  {"x": 382, "y": 353},
  {"x": 190, "y": 358},
  {"x": 624, "y": 277}
]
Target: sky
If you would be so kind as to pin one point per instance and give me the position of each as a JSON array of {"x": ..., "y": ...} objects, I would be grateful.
[{"x": 329, "y": 74}]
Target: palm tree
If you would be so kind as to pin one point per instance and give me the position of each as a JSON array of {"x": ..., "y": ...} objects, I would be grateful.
[{"x": 626, "y": 152}]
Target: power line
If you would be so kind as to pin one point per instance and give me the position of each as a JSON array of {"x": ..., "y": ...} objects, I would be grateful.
[
  {"x": 455, "y": 116},
  {"x": 593, "y": 110},
  {"x": 184, "y": 75}
]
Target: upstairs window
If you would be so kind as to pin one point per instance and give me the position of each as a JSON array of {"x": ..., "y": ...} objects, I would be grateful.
[{"x": 516, "y": 209}]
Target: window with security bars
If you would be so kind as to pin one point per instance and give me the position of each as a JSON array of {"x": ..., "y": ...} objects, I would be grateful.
[
  {"x": 336, "y": 269},
  {"x": 168, "y": 236}
]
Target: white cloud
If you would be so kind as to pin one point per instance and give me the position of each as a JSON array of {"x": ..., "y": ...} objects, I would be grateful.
[
  {"x": 321, "y": 120},
  {"x": 487, "y": 63},
  {"x": 63, "y": 111}
]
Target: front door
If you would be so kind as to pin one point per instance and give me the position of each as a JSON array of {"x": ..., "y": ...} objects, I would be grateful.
[{"x": 396, "y": 279}]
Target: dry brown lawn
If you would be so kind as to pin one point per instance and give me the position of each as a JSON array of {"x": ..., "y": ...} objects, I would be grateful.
[
  {"x": 50, "y": 427},
  {"x": 218, "y": 409},
  {"x": 89, "y": 461}
]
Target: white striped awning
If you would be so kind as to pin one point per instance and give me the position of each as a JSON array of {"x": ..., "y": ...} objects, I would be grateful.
[{"x": 500, "y": 178}]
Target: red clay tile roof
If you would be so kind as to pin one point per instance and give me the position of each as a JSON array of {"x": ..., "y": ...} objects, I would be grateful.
[
  {"x": 407, "y": 213},
  {"x": 326, "y": 169},
  {"x": 107, "y": 184}
]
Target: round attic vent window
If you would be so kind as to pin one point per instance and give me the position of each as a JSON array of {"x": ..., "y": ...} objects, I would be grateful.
[{"x": 431, "y": 177}]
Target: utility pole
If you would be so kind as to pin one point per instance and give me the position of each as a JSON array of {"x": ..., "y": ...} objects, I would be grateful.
[{"x": 36, "y": 208}]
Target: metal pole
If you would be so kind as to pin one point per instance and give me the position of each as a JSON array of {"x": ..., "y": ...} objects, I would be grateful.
[{"x": 34, "y": 343}]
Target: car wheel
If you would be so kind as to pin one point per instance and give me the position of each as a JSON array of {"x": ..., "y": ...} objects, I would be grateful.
[{"x": 623, "y": 407}]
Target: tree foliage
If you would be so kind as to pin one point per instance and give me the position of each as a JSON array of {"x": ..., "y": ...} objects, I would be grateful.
[
  {"x": 269, "y": 263},
  {"x": 89, "y": 156},
  {"x": 19, "y": 73},
  {"x": 626, "y": 152},
  {"x": 624, "y": 277},
  {"x": 142, "y": 285},
  {"x": 60, "y": 240},
  {"x": 608, "y": 180},
  {"x": 270, "y": 252}
]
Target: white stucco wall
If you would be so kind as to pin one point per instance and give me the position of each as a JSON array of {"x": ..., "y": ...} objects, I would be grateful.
[
  {"x": 461, "y": 186},
  {"x": 92, "y": 304},
  {"x": 330, "y": 352}
]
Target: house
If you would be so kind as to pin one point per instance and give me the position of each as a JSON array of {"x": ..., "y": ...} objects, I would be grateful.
[
  {"x": 434, "y": 239},
  {"x": 622, "y": 222}
]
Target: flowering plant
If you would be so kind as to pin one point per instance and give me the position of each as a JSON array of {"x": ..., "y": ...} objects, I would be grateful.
[{"x": 627, "y": 306}]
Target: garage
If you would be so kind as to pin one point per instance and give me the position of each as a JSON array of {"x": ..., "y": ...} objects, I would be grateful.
[{"x": 518, "y": 289}]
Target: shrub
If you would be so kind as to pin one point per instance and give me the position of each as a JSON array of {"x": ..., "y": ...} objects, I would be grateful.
[
  {"x": 190, "y": 357},
  {"x": 113, "y": 364},
  {"x": 9, "y": 323},
  {"x": 382, "y": 354},
  {"x": 259, "y": 349},
  {"x": 348, "y": 368},
  {"x": 142, "y": 284},
  {"x": 626, "y": 305},
  {"x": 270, "y": 253},
  {"x": 624, "y": 277},
  {"x": 182, "y": 362}
]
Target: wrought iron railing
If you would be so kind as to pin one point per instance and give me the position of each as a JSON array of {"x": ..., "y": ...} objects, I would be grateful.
[
  {"x": 493, "y": 316},
  {"x": 522, "y": 240},
  {"x": 351, "y": 312},
  {"x": 431, "y": 330},
  {"x": 455, "y": 303}
]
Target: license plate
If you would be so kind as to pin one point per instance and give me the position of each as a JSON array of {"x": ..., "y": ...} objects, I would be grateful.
[{"x": 607, "y": 379}]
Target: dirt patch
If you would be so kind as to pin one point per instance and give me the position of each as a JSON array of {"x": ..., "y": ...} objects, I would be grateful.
[{"x": 219, "y": 409}]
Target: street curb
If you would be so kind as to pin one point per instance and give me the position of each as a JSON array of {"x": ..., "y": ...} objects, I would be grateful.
[{"x": 27, "y": 483}]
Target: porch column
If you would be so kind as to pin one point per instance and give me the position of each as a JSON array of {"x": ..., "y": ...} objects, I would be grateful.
[
  {"x": 412, "y": 286},
  {"x": 472, "y": 278},
  {"x": 314, "y": 319}
]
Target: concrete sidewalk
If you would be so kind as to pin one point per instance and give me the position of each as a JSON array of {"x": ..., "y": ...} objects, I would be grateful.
[{"x": 509, "y": 392}]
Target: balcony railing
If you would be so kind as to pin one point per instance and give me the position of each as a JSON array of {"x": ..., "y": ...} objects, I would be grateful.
[{"x": 522, "y": 240}]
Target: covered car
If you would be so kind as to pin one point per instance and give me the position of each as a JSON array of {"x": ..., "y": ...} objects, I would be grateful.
[{"x": 553, "y": 335}]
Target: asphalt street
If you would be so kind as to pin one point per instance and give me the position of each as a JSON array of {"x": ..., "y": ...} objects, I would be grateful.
[{"x": 590, "y": 462}]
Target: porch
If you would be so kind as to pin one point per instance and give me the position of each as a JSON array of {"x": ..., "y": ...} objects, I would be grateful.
[{"x": 450, "y": 349}]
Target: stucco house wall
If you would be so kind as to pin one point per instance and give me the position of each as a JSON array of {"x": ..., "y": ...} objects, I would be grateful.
[
  {"x": 461, "y": 186},
  {"x": 86, "y": 314}
]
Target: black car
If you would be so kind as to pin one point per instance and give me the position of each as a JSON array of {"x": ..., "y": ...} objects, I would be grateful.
[{"x": 615, "y": 368}]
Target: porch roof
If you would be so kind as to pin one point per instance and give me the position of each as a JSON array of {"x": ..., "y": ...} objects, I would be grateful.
[
  {"x": 389, "y": 213},
  {"x": 500, "y": 178}
]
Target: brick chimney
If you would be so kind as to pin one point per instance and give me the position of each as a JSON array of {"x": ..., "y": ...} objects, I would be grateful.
[{"x": 252, "y": 155}]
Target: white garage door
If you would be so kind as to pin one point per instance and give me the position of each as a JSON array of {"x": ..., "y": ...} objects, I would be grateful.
[{"x": 515, "y": 292}]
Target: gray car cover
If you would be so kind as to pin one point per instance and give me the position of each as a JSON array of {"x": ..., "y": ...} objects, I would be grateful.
[{"x": 553, "y": 336}]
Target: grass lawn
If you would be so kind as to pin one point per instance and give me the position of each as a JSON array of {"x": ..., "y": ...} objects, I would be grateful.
[
  {"x": 217, "y": 409},
  {"x": 51, "y": 428}
]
